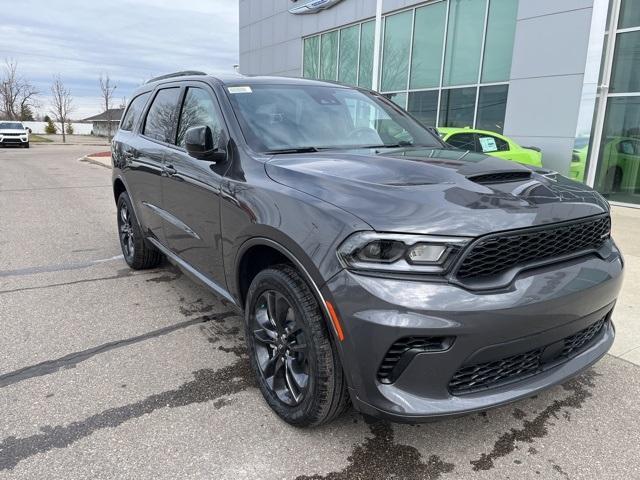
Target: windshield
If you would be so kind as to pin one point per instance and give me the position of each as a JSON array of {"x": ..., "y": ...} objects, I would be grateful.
[
  {"x": 308, "y": 117},
  {"x": 11, "y": 126}
]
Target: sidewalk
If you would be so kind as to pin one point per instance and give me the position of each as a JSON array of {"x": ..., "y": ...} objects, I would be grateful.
[{"x": 626, "y": 316}]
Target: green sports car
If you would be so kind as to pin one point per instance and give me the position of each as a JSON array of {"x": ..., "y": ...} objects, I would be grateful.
[
  {"x": 619, "y": 167},
  {"x": 579, "y": 159},
  {"x": 491, "y": 143}
]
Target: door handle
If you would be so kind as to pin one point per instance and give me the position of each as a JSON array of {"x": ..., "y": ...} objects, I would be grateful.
[{"x": 169, "y": 170}]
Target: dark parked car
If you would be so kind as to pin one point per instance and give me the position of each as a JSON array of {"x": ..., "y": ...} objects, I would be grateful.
[{"x": 373, "y": 262}]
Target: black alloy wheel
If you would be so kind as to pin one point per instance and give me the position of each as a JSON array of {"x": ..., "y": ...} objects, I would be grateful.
[
  {"x": 291, "y": 349},
  {"x": 138, "y": 253},
  {"x": 125, "y": 228},
  {"x": 281, "y": 349}
]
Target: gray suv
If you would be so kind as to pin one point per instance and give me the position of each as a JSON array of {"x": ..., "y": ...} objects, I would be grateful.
[{"x": 373, "y": 263}]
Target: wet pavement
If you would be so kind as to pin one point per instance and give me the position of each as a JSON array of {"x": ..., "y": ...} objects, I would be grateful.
[{"x": 110, "y": 373}]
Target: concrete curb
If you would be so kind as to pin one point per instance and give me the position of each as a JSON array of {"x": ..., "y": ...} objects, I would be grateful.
[
  {"x": 100, "y": 161},
  {"x": 70, "y": 144}
]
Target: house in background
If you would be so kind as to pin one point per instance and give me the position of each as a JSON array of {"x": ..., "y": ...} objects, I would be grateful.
[{"x": 102, "y": 122}]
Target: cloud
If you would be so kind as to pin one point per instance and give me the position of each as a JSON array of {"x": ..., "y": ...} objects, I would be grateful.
[{"x": 132, "y": 40}]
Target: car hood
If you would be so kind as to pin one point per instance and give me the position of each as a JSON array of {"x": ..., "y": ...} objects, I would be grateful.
[{"x": 436, "y": 191}]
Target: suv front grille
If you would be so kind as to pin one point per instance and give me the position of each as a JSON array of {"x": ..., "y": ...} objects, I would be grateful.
[
  {"x": 402, "y": 352},
  {"x": 481, "y": 376},
  {"x": 495, "y": 254}
]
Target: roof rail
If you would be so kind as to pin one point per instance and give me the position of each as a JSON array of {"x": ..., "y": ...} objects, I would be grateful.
[{"x": 184, "y": 73}]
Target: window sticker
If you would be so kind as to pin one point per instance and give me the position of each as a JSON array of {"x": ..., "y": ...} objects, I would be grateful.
[
  {"x": 240, "y": 90},
  {"x": 488, "y": 144}
]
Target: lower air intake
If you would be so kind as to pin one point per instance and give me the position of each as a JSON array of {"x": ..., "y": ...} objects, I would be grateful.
[
  {"x": 402, "y": 352},
  {"x": 482, "y": 376}
]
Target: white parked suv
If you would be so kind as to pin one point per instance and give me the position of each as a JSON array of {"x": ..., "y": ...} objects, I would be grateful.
[{"x": 14, "y": 133}]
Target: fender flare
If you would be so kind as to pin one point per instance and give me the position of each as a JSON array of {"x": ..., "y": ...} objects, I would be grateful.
[{"x": 315, "y": 288}]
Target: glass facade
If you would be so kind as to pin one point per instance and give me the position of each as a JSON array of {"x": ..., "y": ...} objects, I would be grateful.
[
  {"x": 625, "y": 76},
  {"x": 492, "y": 104},
  {"x": 457, "y": 106},
  {"x": 365, "y": 55},
  {"x": 311, "y": 57},
  {"x": 348, "y": 61},
  {"x": 329, "y": 56},
  {"x": 396, "y": 44},
  {"x": 428, "y": 36},
  {"x": 464, "y": 42},
  {"x": 617, "y": 170},
  {"x": 424, "y": 106},
  {"x": 629, "y": 14},
  {"x": 501, "y": 29},
  {"x": 447, "y": 61}
]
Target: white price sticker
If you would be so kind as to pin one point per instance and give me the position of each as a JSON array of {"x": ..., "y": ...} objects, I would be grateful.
[{"x": 240, "y": 90}]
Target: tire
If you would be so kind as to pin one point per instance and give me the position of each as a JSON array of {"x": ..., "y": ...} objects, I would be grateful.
[
  {"x": 281, "y": 293},
  {"x": 613, "y": 180},
  {"x": 138, "y": 253},
  {"x": 26, "y": 145}
]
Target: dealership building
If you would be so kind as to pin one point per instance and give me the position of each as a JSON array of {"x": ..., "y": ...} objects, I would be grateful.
[{"x": 560, "y": 75}]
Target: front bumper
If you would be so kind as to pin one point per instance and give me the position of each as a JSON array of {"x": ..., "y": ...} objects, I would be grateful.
[
  {"x": 540, "y": 309},
  {"x": 13, "y": 140}
]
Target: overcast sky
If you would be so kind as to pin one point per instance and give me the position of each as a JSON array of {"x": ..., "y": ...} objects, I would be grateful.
[{"x": 132, "y": 40}]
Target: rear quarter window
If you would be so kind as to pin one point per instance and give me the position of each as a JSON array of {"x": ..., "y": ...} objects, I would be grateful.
[{"x": 133, "y": 112}]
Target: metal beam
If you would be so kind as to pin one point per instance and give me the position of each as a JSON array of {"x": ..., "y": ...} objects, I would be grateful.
[{"x": 377, "y": 46}]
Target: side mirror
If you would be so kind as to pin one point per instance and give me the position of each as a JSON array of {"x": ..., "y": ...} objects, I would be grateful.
[{"x": 200, "y": 144}]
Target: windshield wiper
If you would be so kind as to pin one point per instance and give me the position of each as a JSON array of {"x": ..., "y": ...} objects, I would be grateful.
[
  {"x": 393, "y": 145},
  {"x": 294, "y": 150}
]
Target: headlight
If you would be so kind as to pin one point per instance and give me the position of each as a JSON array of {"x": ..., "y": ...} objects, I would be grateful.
[{"x": 399, "y": 253}]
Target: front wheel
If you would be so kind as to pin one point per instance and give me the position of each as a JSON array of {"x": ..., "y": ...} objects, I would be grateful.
[
  {"x": 138, "y": 253},
  {"x": 26, "y": 145},
  {"x": 290, "y": 349}
]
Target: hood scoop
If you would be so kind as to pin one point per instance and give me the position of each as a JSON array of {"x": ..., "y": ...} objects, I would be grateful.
[{"x": 500, "y": 177}]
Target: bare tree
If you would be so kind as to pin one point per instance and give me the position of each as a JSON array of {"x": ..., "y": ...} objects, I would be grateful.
[
  {"x": 17, "y": 95},
  {"x": 107, "y": 89},
  {"x": 61, "y": 103}
]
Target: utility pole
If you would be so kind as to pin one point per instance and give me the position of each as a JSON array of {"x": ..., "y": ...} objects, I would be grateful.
[{"x": 377, "y": 47}]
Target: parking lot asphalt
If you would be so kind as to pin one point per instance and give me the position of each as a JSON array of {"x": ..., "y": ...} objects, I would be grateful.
[{"x": 110, "y": 373}]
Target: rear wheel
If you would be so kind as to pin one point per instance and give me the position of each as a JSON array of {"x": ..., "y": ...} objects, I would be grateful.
[
  {"x": 138, "y": 253},
  {"x": 291, "y": 351}
]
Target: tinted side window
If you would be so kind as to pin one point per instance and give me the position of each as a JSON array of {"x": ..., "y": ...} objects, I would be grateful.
[
  {"x": 489, "y": 143},
  {"x": 135, "y": 108},
  {"x": 463, "y": 141},
  {"x": 198, "y": 110},
  {"x": 162, "y": 116}
]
